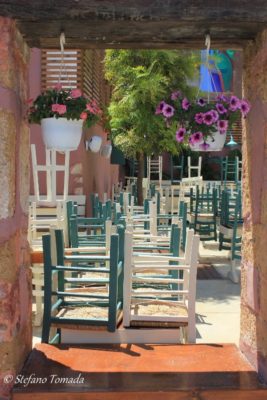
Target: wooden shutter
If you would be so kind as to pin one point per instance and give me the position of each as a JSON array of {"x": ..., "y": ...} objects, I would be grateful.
[
  {"x": 71, "y": 76},
  {"x": 94, "y": 84}
]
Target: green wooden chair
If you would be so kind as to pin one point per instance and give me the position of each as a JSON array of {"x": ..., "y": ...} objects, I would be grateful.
[
  {"x": 203, "y": 213},
  {"x": 92, "y": 301},
  {"x": 230, "y": 229},
  {"x": 231, "y": 169}
]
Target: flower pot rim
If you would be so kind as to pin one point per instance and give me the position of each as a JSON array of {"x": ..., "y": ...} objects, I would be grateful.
[{"x": 63, "y": 118}]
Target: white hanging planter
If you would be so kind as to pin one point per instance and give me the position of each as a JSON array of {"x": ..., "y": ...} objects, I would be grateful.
[
  {"x": 62, "y": 134},
  {"x": 106, "y": 151},
  {"x": 216, "y": 143},
  {"x": 94, "y": 143}
]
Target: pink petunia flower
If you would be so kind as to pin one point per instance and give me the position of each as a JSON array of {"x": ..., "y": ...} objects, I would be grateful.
[
  {"x": 208, "y": 118},
  {"x": 204, "y": 146},
  {"x": 55, "y": 107},
  {"x": 180, "y": 134},
  {"x": 185, "y": 104},
  {"x": 196, "y": 137},
  {"x": 83, "y": 115},
  {"x": 175, "y": 95},
  {"x": 222, "y": 97},
  {"x": 215, "y": 115},
  {"x": 222, "y": 125},
  {"x": 160, "y": 107},
  {"x": 234, "y": 103},
  {"x": 168, "y": 111},
  {"x": 59, "y": 108},
  {"x": 199, "y": 118},
  {"x": 201, "y": 102},
  {"x": 244, "y": 107},
  {"x": 220, "y": 108},
  {"x": 75, "y": 93}
]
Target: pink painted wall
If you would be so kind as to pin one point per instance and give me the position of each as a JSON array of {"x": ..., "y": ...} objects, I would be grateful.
[{"x": 89, "y": 172}]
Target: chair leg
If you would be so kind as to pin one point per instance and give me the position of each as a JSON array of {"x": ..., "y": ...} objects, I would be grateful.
[
  {"x": 191, "y": 332},
  {"x": 233, "y": 274}
]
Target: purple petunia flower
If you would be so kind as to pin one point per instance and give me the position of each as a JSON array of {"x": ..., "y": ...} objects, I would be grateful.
[
  {"x": 185, "y": 104},
  {"x": 244, "y": 107},
  {"x": 180, "y": 134},
  {"x": 234, "y": 103},
  {"x": 222, "y": 125},
  {"x": 222, "y": 97},
  {"x": 196, "y": 137},
  {"x": 175, "y": 95},
  {"x": 160, "y": 107},
  {"x": 201, "y": 102},
  {"x": 204, "y": 146},
  {"x": 167, "y": 111},
  {"x": 215, "y": 115},
  {"x": 220, "y": 108},
  {"x": 199, "y": 118},
  {"x": 208, "y": 118},
  {"x": 190, "y": 140}
]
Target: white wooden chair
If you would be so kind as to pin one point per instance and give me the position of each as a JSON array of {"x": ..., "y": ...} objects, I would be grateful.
[
  {"x": 154, "y": 167},
  {"x": 173, "y": 305},
  {"x": 192, "y": 168},
  {"x": 51, "y": 168},
  {"x": 41, "y": 219}
]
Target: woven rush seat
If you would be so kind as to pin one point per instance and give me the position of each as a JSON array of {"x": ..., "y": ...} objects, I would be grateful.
[
  {"x": 159, "y": 309},
  {"x": 92, "y": 312}
]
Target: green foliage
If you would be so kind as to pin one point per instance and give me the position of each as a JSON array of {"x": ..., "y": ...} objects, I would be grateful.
[
  {"x": 140, "y": 79},
  {"x": 63, "y": 103}
]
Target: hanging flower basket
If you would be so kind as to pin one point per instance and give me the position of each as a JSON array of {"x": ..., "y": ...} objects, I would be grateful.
[
  {"x": 62, "y": 134},
  {"x": 199, "y": 124},
  {"x": 62, "y": 114}
]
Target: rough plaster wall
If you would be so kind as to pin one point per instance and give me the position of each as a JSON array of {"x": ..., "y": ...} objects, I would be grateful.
[
  {"x": 15, "y": 278},
  {"x": 253, "y": 340}
]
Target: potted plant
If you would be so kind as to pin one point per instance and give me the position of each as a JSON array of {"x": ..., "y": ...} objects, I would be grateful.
[
  {"x": 62, "y": 114},
  {"x": 202, "y": 125}
]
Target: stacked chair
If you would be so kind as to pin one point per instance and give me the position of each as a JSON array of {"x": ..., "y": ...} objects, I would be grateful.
[
  {"x": 203, "y": 213},
  {"x": 92, "y": 301},
  {"x": 85, "y": 284},
  {"x": 166, "y": 300},
  {"x": 230, "y": 228}
]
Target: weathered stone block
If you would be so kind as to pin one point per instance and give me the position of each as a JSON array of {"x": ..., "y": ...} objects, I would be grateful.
[
  {"x": 9, "y": 259},
  {"x": 7, "y": 163},
  {"x": 14, "y": 58},
  {"x": 24, "y": 170},
  {"x": 248, "y": 330}
]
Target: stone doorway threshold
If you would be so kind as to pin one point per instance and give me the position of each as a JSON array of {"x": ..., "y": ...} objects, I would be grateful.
[{"x": 144, "y": 371}]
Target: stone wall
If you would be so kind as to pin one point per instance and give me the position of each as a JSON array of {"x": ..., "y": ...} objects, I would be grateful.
[
  {"x": 253, "y": 340},
  {"x": 15, "y": 290}
]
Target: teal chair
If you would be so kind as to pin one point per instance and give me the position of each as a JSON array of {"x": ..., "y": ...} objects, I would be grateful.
[
  {"x": 203, "y": 213},
  {"x": 92, "y": 301}
]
